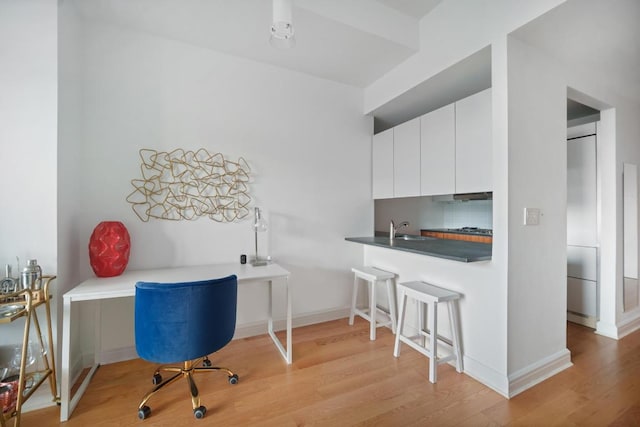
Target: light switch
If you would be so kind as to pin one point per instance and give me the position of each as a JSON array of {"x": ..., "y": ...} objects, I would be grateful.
[{"x": 531, "y": 216}]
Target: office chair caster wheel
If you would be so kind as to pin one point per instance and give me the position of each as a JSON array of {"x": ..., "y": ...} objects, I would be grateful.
[
  {"x": 206, "y": 363},
  {"x": 233, "y": 379},
  {"x": 157, "y": 379},
  {"x": 199, "y": 412},
  {"x": 144, "y": 412}
]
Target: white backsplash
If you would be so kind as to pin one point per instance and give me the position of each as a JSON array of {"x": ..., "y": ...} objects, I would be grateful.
[
  {"x": 474, "y": 213},
  {"x": 424, "y": 212}
]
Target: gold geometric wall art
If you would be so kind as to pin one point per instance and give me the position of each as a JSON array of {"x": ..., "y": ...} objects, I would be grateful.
[{"x": 188, "y": 185}]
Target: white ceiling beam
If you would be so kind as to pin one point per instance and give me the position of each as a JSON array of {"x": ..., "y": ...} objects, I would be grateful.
[{"x": 368, "y": 16}]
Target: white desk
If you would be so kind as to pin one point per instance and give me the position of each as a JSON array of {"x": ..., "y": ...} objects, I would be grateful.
[{"x": 97, "y": 289}]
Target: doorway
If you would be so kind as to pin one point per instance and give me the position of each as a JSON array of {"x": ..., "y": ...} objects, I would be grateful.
[
  {"x": 609, "y": 289},
  {"x": 583, "y": 288}
]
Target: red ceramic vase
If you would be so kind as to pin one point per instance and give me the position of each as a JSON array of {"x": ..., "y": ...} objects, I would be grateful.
[{"x": 109, "y": 247}]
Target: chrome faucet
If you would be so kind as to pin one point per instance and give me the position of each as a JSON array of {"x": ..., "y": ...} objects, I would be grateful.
[{"x": 393, "y": 229}]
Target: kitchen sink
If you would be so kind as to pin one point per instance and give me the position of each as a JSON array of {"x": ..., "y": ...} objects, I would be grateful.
[{"x": 412, "y": 237}]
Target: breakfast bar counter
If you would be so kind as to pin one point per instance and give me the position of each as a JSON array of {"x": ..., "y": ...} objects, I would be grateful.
[{"x": 456, "y": 250}]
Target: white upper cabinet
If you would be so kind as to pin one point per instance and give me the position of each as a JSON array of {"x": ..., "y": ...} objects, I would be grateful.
[
  {"x": 474, "y": 148},
  {"x": 406, "y": 159},
  {"x": 382, "y": 165},
  {"x": 446, "y": 151},
  {"x": 438, "y": 151}
]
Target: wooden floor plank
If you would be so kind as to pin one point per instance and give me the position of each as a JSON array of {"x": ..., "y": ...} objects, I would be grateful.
[{"x": 341, "y": 378}]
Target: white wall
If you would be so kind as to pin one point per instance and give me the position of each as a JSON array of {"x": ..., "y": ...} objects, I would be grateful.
[
  {"x": 70, "y": 153},
  {"x": 28, "y": 113},
  {"x": 537, "y": 179},
  {"x": 306, "y": 140},
  {"x": 28, "y": 81}
]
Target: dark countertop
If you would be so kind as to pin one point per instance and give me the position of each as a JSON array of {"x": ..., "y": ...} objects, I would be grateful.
[{"x": 456, "y": 250}]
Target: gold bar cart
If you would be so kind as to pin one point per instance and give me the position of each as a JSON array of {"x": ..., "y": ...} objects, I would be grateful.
[{"x": 24, "y": 304}]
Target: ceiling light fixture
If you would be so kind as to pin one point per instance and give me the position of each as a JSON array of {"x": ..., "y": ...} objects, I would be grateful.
[{"x": 282, "y": 26}]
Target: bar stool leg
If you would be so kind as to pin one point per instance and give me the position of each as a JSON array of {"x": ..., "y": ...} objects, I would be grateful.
[
  {"x": 420, "y": 307},
  {"x": 403, "y": 306},
  {"x": 455, "y": 333},
  {"x": 433, "y": 341},
  {"x": 392, "y": 304},
  {"x": 372, "y": 310},
  {"x": 353, "y": 300}
]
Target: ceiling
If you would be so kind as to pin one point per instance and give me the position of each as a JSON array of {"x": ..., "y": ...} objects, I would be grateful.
[
  {"x": 355, "y": 42},
  {"x": 462, "y": 79},
  {"x": 335, "y": 40},
  {"x": 577, "y": 110}
]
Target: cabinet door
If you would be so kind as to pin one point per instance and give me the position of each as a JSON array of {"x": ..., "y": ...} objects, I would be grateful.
[
  {"x": 406, "y": 159},
  {"x": 582, "y": 296},
  {"x": 582, "y": 262},
  {"x": 382, "y": 165},
  {"x": 438, "y": 152},
  {"x": 474, "y": 147}
]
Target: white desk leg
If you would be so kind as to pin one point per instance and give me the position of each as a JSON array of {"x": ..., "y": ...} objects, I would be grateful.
[
  {"x": 289, "y": 323},
  {"x": 97, "y": 334},
  {"x": 65, "y": 387},
  {"x": 68, "y": 403},
  {"x": 287, "y": 353},
  {"x": 270, "y": 311}
]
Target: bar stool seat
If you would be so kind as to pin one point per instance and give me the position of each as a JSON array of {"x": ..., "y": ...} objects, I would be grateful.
[
  {"x": 371, "y": 276},
  {"x": 425, "y": 293}
]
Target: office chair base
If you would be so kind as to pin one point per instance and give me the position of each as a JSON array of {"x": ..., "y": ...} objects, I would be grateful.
[
  {"x": 186, "y": 371},
  {"x": 199, "y": 412},
  {"x": 144, "y": 412}
]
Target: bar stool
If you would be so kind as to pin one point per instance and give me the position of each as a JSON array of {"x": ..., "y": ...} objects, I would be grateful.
[
  {"x": 425, "y": 293},
  {"x": 372, "y": 276}
]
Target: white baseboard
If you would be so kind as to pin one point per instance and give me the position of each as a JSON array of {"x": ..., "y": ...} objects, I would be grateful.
[
  {"x": 521, "y": 380},
  {"x": 628, "y": 327},
  {"x": 117, "y": 355},
  {"x": 609, "y": 330},
  {"x": 41, "y": 398},
  {"x": 619, "y": 330},
  {"x": 242, "y": 331},
  {"x": 488, "y": 376},
  {"x": 537, "y": 372},
  {"x": 588, "y": 321}
]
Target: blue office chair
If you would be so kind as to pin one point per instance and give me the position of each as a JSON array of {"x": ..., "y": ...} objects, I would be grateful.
[{"x": 183, "y": 323}]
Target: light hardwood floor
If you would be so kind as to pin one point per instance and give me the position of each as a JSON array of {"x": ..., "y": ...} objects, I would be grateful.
[{"x": 340, "y": 378}]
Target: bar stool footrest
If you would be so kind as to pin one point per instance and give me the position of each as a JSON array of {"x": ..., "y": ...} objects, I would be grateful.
[{"x": 364, "y": 313}]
